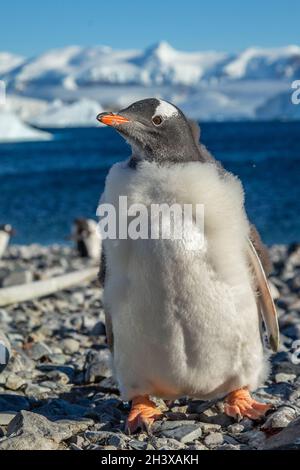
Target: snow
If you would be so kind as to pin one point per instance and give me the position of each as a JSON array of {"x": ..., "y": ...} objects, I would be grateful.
[
  {"x": 9, "y": 61},
  {"x": 12, "y": 129},
  {"x": 209, "y": 84},
  {"x": 279, "y": 107},
  {"x": 80, "y": 66},
  {"x": 76, "y": 66},
  {"x": 207, "y": 105},
  {"x": 25, "y": 107},
  {"x": 265, "y": 63},
  {"x": 81, "y": 113}
]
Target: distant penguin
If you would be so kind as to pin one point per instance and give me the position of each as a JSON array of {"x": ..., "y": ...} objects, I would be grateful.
[
  {"x": 6, "y": 231},
  {"x": 87, "y": 237},
  {"x": 183, "y": 322},
  {"x": 5, "y": 351}
]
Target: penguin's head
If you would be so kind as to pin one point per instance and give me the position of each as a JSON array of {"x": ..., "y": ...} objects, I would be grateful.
[{"x": 156, "y": 130}]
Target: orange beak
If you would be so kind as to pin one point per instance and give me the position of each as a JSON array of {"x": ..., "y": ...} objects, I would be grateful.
[{"x": 111, "y": 119}]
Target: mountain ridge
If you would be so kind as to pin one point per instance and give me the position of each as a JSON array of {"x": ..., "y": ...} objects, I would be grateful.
[{"x": 209, "y": 84}]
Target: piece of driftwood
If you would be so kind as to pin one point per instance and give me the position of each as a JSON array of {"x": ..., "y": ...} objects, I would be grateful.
[{"x": 33, "y": 290}]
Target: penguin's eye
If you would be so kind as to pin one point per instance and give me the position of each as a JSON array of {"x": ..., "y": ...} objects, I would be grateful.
[{"x": 157, "y": 120}]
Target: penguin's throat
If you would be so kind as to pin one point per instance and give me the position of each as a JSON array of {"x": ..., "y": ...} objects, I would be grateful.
[{"x": 138, "y": 157}]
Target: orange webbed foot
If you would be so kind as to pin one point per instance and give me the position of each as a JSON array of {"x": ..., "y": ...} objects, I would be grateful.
[
  {"x": 239, "y": 404},
  {"x": 142, "y": 415}
]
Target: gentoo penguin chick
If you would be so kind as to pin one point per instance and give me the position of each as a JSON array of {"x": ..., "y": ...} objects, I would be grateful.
[
  {"x": 6, "y": 231},
  {"x": 183, "y": 322},
  {"x": 87, "y": 237}
]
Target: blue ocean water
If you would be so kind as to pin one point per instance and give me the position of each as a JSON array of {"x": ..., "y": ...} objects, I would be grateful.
[{"x": 45, "y": 185}]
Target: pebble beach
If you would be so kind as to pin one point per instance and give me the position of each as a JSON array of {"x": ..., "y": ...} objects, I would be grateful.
[{"x": 57, "y": 391}]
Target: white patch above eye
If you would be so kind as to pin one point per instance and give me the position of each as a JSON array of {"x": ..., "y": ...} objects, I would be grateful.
[{"x": 165, "y": 109}]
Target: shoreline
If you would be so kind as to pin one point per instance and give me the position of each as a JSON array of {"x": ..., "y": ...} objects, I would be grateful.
[{"x": 57, "y": 391}]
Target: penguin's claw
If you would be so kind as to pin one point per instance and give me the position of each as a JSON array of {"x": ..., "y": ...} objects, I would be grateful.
[
  {"x": 239, "y": 404},
  {"x": 142, "y": 415}
]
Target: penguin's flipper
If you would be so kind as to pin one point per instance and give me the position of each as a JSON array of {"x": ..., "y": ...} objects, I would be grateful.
[
  {"x": 109, "y": 331},
  {"x": 265, "y": 301}
]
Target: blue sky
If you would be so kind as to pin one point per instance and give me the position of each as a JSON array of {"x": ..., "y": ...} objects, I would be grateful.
[{"x": 31, "y": 26}]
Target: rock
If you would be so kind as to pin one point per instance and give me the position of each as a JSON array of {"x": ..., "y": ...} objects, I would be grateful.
[
  {"x": 4, "y": 317},
  {"x": 18, "y": 277},
  {"x": 209, "y": 427},
  {"x": 78, "y": 441},
  {"x": 5, "y": 351},
  {"x": 36, "y": 390},
  {"x": 281, "y": 418},
  {"x": 5, "y": 418},
  {"x": 118, "y": 440},
  {"x": 215, "y": 417},
  {"x": 281, "y": 390},
  {"x": 108, "y": 385},
  {"x": 288, "y": 438},
  {"x": 182, "y": 432},
  {"x": 14, "y": 382},
  {"x": 236, "y": 428},
  {"x": 231, "y": 440},
  {"x": 162, "y": 443},
  {"x": 295, "y": 305},
  {"x": 30, "y": 431},
  {"x": 98, "y": 329},
  {"x": 97, "y": 365},
  {"x": 137, "y": 445},
  {"x": 254, "y": 439},
  {"x": 56, "y": 358},
  {"x": 99, "y": 437},
  {"x": 281, "y": 377},
  {"x": 78, "y": 298},
  {"x": 40, "y": 350},
  {"x": 57, "y": 408},
  {"x": 197, "y": 447},
  {"x": 58, "y": 372},
  {"x": 13, "y": 403},
  {"x": 213, "y": 439},
  {"x": 293, "y": 331},
  {"x": 70, "y": 345},
  {"x": 19, "y": 362},
  {"x": 229, "y": 447}
]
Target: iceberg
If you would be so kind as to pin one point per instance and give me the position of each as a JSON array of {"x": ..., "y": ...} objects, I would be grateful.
[
  {"x": 81, "y": 113},
  {"x": 13, "y": 129}
]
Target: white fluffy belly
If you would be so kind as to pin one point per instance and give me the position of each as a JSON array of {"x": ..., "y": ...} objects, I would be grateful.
[{"x": 176, "y": 327}]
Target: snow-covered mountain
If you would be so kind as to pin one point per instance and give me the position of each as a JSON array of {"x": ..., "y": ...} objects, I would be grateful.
[
  {"x": 208, "y": 84},
  {"x": 75, "y": 66},
  {"x": 9, "y": 62},
  {"x": 81, "y": 113},
  {"x": 259, "y": 64},
  {"x": 160, "y": 64},
  {"x": 279, "y": 107}
]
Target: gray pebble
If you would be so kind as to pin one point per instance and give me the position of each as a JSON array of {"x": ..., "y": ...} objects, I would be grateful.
[
  {"x": 213, "y": 439},
  {"x": 5, "y": 418},
  {"x": 40, "y": 350},
  {"x": 184, "y": 433},
  {"x": 70, "y": 345}
]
